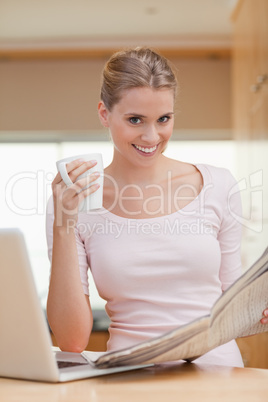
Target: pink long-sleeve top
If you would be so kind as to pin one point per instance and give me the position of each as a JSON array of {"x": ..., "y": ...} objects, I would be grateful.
[{"x": 158, "y": 273}]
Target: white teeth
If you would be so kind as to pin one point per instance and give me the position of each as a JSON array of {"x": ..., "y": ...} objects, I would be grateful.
[{"x": 146, "y": 150}]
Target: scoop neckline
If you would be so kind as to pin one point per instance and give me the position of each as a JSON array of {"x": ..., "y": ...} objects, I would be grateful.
[{"x": 113, "y": 217}]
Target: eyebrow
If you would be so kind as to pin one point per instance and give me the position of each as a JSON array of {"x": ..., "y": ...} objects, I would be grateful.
[
  {"x": 134, "y": 114},
  {"x": 141, "y": 115}
]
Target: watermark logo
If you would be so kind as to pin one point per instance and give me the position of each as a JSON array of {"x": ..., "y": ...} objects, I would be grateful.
[
  {"x": 251, "y": 190},
  {"x": 138, "y": 227},
  {"x": 27, "y": 194}
]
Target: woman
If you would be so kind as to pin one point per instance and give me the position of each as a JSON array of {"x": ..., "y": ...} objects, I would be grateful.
[{"x": 166, "y": 243}]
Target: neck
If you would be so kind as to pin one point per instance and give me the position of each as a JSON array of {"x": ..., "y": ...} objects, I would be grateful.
[{"x": 125, "y": 172}]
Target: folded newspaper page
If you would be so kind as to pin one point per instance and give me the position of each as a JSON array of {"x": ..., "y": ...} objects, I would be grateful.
[{"x": 235, "y": 314}]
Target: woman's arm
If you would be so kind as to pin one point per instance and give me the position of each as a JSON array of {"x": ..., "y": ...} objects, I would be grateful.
[{"x": 68, "y": 308}]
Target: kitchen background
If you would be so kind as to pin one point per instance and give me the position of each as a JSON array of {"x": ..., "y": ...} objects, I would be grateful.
[{"x": 51, "y": 57}]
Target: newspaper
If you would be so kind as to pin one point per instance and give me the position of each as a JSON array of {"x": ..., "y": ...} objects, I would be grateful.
[{"x": 235, "y": 314}]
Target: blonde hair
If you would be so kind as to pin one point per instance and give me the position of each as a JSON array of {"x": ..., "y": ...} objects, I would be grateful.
[{"x": 139, "y": 67}]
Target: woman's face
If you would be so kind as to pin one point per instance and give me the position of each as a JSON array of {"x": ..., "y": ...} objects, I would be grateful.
[{"x": 140, "y": 124}]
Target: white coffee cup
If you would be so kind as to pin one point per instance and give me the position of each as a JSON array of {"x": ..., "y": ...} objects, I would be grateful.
[{"x": 94, "y": 200}]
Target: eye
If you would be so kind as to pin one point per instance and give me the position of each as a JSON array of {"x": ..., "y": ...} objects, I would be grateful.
[
  {"x": 135, "y": 120},
  {"x": 164, "y": 119}
]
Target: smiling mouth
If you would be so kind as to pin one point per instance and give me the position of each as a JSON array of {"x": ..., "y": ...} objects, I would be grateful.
[{"x": 145, "y": 149}]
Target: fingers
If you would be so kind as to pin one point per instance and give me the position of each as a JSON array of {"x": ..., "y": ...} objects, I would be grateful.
[
  {"x": 264, "y": 320},
  {"x": 82, "y": 188},
  {"x": 83, "y": 184},
  {"x": 69, "y": 197},
  {"x": 87, "y": 191},
  {"x": 78, "y": 167},
  {"x": 75, "y": 169}
]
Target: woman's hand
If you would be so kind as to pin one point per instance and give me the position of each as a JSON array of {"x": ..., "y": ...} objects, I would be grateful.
[
  {"x": 264, "y": 319},
  {"x": 67, "y": 199}
]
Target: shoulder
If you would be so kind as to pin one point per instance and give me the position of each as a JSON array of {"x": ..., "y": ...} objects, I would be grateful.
[
  {"x": 181, "y": 169},
  {"x": 218, "y": 176},
  {"x": 185, "y": 175},
  {"x": 222, "y": 186}
]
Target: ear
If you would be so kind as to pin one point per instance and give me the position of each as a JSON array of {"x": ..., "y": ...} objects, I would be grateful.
[{"x": 103, "y": 114}]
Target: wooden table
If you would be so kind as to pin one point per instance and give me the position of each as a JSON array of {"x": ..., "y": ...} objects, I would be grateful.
[{"x": 184, "y": 382}]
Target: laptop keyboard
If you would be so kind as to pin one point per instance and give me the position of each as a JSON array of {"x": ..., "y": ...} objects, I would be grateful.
[{"x": 64, "y": 364}]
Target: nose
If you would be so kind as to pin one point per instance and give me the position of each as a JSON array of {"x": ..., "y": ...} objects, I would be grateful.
[{"x": 150, "y": 135}]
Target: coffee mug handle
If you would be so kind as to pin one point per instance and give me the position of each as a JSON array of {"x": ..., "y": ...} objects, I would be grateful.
[{"x": 64, "y": 174}]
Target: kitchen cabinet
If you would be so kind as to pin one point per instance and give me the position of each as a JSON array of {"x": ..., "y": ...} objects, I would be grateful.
[
  {"x": 250, "y": 124},
  {"x": 250, "y": 120},
  {"x": 254, "y": 350},
  {"x": 97, "y": 341}
]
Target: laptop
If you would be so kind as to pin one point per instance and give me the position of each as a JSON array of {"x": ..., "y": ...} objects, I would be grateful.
[{"x": 26, "y": 350}]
